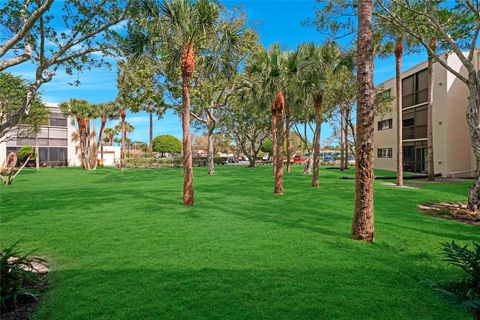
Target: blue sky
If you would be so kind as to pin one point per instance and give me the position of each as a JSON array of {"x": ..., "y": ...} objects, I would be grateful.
[{"x": 276, "y": 21}]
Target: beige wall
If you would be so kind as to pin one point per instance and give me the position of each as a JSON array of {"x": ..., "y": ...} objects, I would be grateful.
[{"x": 452, "y": 149}]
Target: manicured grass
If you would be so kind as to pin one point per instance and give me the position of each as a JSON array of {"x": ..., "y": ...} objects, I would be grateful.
[{"x": 122, "y": 246}]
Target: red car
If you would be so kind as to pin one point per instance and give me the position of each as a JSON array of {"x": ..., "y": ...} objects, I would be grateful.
[{"x": 299, "y": 159}]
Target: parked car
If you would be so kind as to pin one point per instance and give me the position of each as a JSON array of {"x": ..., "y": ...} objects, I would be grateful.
[
  {"x": 299, "y": 159},
  {"x": 329, "y": 159},
  {"x": 232, "y": 160}
]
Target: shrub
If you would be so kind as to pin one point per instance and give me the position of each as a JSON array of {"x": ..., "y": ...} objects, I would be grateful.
[
  {"x": 466, "y": 291},
  {"x": 172, "y": 162},
  {"x": 16, "y": 275},
  {"x": 219, "y": 161}
]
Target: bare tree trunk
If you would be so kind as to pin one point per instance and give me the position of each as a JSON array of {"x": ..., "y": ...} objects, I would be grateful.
[
  {"x": 317, "y": 100},
  {"x": 274, "y": 139},
  {"x": 431, "y": 163},
  {"x": 287, "y": 139},
  {"x": 37, "y": 154},
  {"x": 211, "y": 155},
  {"x": 100, "y": 136},
  {"x": 150, "y": 145},
  {"x": 122, "y": 148},
  {"x": 279, "y": 105},
  {"x": 345, "y": 144},
  {"x": 362, "y": 224},
  {"x": 188, "y": 191},
  {"x": 342, "y": 147},
  {"x": 399, "y": 99},
  {"x": 21, "y": 168},
  {"x": 82, "y": 132}
]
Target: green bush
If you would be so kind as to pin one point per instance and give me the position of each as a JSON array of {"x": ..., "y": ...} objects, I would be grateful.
[
  {"x": 167, "y": 144},
  {"x": 15, "y": 277},
  {"x": 172, "y": 162},
  {"x": 466, "y": 291}
]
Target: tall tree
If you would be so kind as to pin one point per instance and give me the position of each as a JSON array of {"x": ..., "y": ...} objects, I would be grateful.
[
  {"x": 430, "y": 156},
  {"x": 179, "y": 29},
  {"x": 82, "y": 111},
  {"x": 318, "y": 65},
  {"x": 363, "y": 225},
  {"x": 68, "y": 43},
  {"x": 398, "y": 96},
  {"x": 104, "y": 111}
]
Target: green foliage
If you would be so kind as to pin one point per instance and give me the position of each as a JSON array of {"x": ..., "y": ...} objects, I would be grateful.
[
  {"x": 167, "y": 144},
  {"x": 140, "y": 145},
  {"x": 78, "y": 108},
  {"x": 12, "y": 91},
  {"x": 466, "y": 291},
  {"x": 171, "y": 162},
  {"x": 15, "y": 275},
  {"x": 267, "y": 146},
  {"x": 27, "y": 151}
]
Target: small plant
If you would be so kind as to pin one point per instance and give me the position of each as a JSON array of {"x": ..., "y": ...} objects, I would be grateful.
[
  {"x": 16, "y": 275},
  {"x": 466, "y": 291}
]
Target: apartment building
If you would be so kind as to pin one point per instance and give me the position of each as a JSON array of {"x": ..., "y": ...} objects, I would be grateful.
[
  {"x": 453, "y": 155},
  {"x": 55, "y": 141}
]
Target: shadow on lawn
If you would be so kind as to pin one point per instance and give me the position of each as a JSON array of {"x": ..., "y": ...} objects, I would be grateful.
[{"x": 328, "y": 292}]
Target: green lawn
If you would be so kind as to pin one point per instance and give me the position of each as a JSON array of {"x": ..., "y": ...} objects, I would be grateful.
[{"x": 122, "y": 246}]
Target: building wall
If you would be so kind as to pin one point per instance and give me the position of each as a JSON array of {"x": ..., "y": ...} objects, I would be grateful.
[
  {"x": 57, "y": 136},
  {"x": 452, "y": 149}
]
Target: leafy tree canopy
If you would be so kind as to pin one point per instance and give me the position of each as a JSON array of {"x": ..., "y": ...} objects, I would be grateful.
[
  {"x": 167, "y": 144},
  {"x": 12, "y": 89}
]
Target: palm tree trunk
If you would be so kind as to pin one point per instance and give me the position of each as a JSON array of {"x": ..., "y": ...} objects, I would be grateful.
[
  {"x": 122, "y": 147},
  {"x": 342, "y": 147},
  {"x": 274, "y": 139},
  {"x": 37, "y": 154},
  {"x": 279, "y": 106},
  {"x": 82, "y": 132},
  {"x": 150, "y": 145},
  {"x": 287, "y": 139},
  {"x": 363, "y": 223},
  {"x": 430, "y": 157},
  {"x": 100, "y": 135},
  {"x": 188, "y": 191},
  {"x": 399, "y": 99},
  {"x": 317, "y": 100}
]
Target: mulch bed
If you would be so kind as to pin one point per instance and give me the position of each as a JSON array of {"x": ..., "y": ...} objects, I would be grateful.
[
  {"x": 451, "y": 210},
  {"x": 27, "y": 305}
]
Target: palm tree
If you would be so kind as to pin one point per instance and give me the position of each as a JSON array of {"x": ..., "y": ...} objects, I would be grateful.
[
  {"x": 104, "y": 111},
  {"x": 362, "y": 224},
  {"x": 110, "y": 134},
  {"x": 82, "y": 111},
  {"x": 317, "y": 67},
  {"x": 267, "y": 71},
  {"x": 179, "y": 29}
]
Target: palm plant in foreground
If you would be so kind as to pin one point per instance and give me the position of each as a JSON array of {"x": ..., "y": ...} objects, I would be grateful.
[{"x": 177, "y": 30}]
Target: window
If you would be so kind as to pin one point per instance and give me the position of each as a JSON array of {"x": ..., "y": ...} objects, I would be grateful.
[
  {"x": 384, "y": 152},
  {"x": 385, "y": 124},
  {"x": 415, "y": 123},
  {"x": 415, "y": 89},
  {"x": 58, "y": 119}
]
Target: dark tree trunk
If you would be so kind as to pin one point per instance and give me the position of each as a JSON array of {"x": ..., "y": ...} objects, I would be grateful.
[
  {"x": 82, "y": 132},
  {"x": 287, "y": 139},
  {"x": 100, "y": 135},
  {"x": 317, "y": 100},
  {"x": 362, "y": 224},
  {"x": 37, "y": 155},
  {"x": 473, "y": 120},
  {"x": 399, "y": 99}
]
